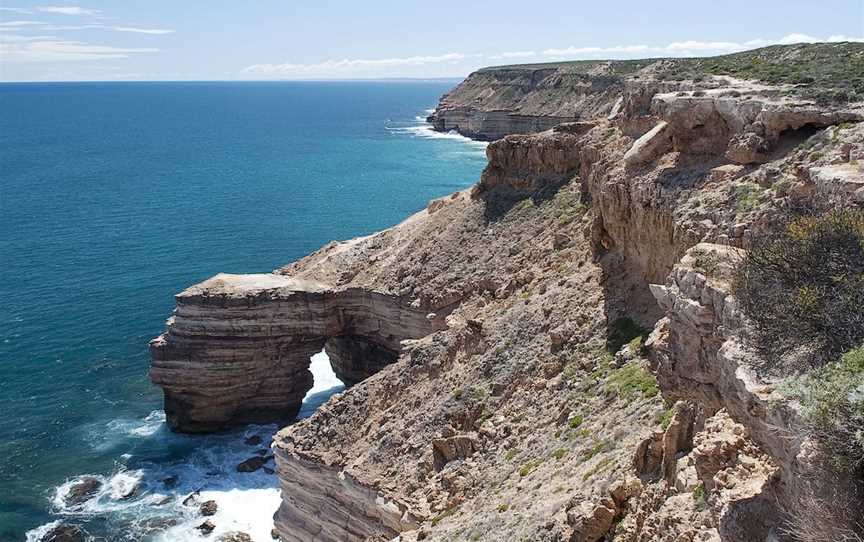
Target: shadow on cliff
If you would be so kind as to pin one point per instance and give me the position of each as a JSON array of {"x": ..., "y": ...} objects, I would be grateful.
[
  {"x": 636, "y": 237},
  {"x": 499, "y": 201}
]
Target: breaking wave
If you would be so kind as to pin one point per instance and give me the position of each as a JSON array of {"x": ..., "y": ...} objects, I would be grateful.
[{"x": 159, "y": 498}]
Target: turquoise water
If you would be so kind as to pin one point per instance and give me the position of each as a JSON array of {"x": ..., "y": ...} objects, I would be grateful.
[{"x": 113, "y": 197}]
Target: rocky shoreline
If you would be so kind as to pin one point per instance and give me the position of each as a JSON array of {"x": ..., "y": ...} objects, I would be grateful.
[{"x": 553, "y": 354}]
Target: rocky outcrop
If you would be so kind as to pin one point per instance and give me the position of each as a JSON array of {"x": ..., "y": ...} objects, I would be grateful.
[
  {"x": 757, "y": 467},
  {"x": 522, "y": 165},
  {"x": 237, "y": 348},
  {"x": 323, "y": 502}
]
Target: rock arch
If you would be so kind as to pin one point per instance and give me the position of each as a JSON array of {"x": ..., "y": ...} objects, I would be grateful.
[{"x": 237, "y": 348}]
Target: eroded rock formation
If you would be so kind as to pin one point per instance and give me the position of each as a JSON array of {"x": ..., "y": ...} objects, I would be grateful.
[{"x": 237, "y": 348}]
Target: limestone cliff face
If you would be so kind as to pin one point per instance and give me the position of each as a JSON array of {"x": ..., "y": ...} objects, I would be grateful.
[{"x": 488, "y": 405}]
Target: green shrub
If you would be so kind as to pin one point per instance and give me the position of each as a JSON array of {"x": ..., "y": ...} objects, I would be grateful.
[
  {"x": 601, "y": 466},
  {"x": 746, "y": 196},
  {"x": 559, "y": 453},
  {"x": 666, "y": 419},
  {"x": 833, "y": 404},
  {"x": 445, "y": 514},
  {"x": 631, "y": 379},
  {"x": 575, "y": 421},
  {"x": 699, "y": 497},
  {"x": 707, "y": 263},
  {"x": 599, "y": 446},
  {"x": 802, "y": 286},
  {"x": 529, "y": 467}
]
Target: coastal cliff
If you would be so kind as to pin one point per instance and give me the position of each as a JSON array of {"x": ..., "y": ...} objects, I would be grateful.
[{"x": 554, "y": 354}]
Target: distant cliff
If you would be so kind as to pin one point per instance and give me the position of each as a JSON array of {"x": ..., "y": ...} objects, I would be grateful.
[{"x": 494, "y": 102}]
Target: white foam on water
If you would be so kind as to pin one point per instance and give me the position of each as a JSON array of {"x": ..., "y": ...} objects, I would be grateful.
[
  {"x": 239, "y": 510},
  {"x": 115, "y": 492},
  {"x": 35, "y": 535},
  {"x": 325, "y": 385},
  {"x": 140, "y": 501},
  {"x": 425, "y": 130}
]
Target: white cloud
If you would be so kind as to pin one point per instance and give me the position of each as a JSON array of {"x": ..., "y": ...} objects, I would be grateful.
[
  {"x": 20, "y": 38},
  {"x": 687, "y": 48},
  {"x": 69, "y": 10},
  {"x": 590, "y": 51},
  {"x": 15, "y": 24},
  {"x": 463, "y": 62},
  {"x": 62, "y": 51},
  {"x": 513, "y": 54},
  {"x": 43, "y": 26},
  {"x": 16, "y": 10},
  {"x": 141, "y": 30},
  {"x": 336, "y": 67}
]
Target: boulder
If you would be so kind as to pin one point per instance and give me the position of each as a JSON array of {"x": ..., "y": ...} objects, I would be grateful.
[
  {"x": 253, "y": 440},
  {"x": 747, "y": 148},
  {"x": 448, "y": 449},
  {"x": 206, "y": 527},
  {"x": 591, "y": 522},
  {"x": 235, "y": 537},
  {"x": 209, "y": 508},
  {"x": 252, "y": 464},
  {"x": 650, "y": 146}
]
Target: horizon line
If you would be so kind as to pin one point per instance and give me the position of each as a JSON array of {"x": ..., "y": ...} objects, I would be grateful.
[{"x": 322, "y": 80}]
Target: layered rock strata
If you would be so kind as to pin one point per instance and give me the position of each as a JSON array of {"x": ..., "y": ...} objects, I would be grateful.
[{"x": 237, "y": 348}]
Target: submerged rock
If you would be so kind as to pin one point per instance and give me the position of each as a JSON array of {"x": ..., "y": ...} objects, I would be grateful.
[
  {"x": 191, "y": 498},
  {"x": 83, "y": 490},
  {"x": 206, "y": 527},
  {"x": 64, "y": 533},
  {"x": 254, "y": 440},
  {"x": 252, "y": 464},
  {"x": 133, "y": 491}
]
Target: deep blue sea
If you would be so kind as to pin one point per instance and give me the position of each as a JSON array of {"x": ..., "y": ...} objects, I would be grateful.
[{"x": 115, "y": 196}]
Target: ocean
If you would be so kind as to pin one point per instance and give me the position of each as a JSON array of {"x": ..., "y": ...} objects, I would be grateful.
[{"x": 116, "y": 196}]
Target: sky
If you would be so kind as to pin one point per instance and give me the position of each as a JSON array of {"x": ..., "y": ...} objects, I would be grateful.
[{"x": 52, "y": 40}]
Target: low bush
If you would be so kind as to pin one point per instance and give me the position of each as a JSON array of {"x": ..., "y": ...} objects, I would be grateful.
[
  {"x": 832, "y": 399},
  {"x": 802, "y": 287},
  {"x": 632, "y": 380}
]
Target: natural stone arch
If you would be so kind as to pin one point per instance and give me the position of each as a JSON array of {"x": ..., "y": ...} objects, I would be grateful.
[{"x": 238, "y": 347}]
